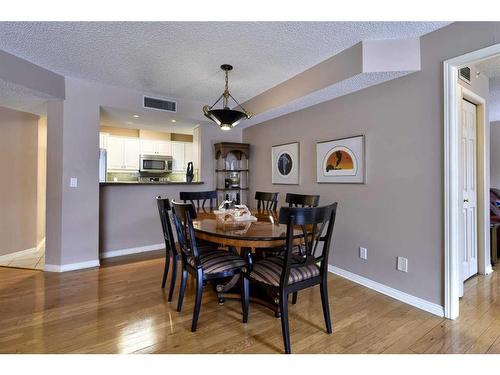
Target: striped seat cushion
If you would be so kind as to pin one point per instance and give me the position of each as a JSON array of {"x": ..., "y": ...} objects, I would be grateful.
[
  {"x": 268, "y": 271},
  {"x": 215, "y": 261}
]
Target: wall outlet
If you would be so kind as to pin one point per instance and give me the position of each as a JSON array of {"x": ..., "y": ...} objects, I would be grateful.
[
  {"x": 402, "y": 264},
  {"x": 73, "y": 182},
  {"x": 363, "y": 253}
]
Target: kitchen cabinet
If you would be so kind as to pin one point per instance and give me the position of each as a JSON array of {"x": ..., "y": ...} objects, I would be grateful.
[
  {"x": 182, "y": 153},
  {"x": 103, "y": 140},
  {"x": 155, "y": 147},
  {"x": 122, "y": 153}
]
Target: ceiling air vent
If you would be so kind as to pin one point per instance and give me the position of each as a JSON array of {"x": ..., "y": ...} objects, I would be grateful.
[
  {"x": 464, "y": 74},
  {"x": 160, "y": 104}
]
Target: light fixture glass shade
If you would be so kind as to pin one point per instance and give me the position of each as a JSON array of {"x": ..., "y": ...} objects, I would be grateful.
[{"x": 226, "y": 117}]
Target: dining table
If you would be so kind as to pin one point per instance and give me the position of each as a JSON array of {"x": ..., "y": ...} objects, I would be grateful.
[{"x": 250, "y": 239}]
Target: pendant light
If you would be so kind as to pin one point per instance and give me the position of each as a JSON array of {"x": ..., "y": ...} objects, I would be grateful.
[{"x": 226, "y": 117}]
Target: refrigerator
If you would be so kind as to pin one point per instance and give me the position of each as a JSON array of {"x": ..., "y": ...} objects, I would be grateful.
[{"x": 102, "y": 165}]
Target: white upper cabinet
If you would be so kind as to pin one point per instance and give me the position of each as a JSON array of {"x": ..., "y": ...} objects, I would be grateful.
[
  {"x": 147, "y": 147},
  {"x": 123, "y": 153},
  {"x": 155, "y": 147},
  {"x": 131, "y": 154},
  {"x": 164, "y": 148},
  {"x": 182, "y": 153}
]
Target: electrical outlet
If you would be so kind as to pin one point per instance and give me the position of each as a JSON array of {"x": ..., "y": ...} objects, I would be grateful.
[
  {"x": 73, "y": 182},
  {"x": 363, "y": 253},
  {"x": 402, "y": 264}
]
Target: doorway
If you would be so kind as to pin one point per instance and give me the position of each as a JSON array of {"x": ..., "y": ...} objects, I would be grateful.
[{"x": 467, "y": 180}]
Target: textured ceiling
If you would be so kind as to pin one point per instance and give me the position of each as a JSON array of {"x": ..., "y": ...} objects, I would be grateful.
[
  {"x": 152, "y": 120},
  {"x": 182, "y": 59},
  {"x": 491, "y": 69}
]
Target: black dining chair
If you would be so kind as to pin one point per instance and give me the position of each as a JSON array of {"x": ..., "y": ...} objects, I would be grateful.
[
  {"x": 301, "y": 200},
  {"x": 290, "y": 273},
  {"x": 199, "y": 198},
  {"x": 204, "y": 266},
  {"x": 266, "y": 201},
  {"x": 171, "y": 252}
]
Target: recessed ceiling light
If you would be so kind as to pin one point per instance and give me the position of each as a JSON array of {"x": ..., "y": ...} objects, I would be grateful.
[
  {"x": 136, "y": 116},
  {"x": 129, "y": 122},
  {"x": 173, "y": 120}
]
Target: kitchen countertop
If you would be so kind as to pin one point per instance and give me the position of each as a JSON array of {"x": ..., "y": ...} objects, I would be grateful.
[{"x": 149, "y": 183}]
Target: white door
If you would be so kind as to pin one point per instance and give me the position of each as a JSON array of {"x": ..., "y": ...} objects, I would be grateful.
[{"x": 469, "y": 189}]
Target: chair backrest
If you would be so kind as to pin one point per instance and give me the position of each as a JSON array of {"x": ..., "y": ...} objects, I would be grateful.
[
  {"x": 183, "y": 215},
  {"x": 266, "y": 201},
  {"x": 301, "y": 200},
  {"x": 199, "y": 196},
  {"x": 316, "y": 224},
  {"x": 164, "y": 209}
]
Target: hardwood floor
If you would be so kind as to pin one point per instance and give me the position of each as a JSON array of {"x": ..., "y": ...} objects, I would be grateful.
[{"x": 120, "y": 308}]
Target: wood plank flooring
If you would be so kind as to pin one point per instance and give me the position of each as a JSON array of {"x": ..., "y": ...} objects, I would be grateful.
[{"x": 120, "y": 308}]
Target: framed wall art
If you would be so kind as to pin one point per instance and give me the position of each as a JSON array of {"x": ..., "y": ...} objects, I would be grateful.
[
  {"x": 341, "y": 160},
  {"x": 285, "y": 164}
]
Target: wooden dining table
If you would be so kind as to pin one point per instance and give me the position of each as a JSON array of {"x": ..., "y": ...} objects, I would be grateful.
[{"x": 250, "y": 239}]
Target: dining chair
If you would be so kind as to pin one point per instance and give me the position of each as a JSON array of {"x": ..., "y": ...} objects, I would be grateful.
[
  {"x": 171, "y": 252},
  {"x": 266, "y": 201},
  {"x": 200, "y": 197},
  {"x": 287, "y": 274},
  {"x": 301, "y": 200},
  {"x": 203, "y": 266}
]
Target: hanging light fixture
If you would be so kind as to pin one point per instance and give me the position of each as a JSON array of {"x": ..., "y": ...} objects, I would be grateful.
[{"x": 226, "y": 117}]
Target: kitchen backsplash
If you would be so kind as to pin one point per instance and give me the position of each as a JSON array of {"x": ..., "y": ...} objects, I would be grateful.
[{"x": 132, "y": 176}]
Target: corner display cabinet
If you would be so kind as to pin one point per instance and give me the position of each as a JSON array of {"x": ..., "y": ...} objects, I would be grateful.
[{"x": 231, "y": 171}]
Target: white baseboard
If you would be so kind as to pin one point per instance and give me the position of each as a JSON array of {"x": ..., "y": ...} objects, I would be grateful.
[
  {"x": 9, "y": 256},
  {"x": 489, "y": 269},
  {"x": 420, "y": 303},
  {"x": 71, "y": 266},
  {"x": 132, "y": 250}
]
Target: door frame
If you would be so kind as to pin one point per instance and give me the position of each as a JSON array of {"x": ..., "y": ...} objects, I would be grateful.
[{"x": 453, "y": 94}]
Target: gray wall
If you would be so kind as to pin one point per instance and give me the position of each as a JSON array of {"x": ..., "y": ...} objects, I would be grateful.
[
  {"x": 495, "y": 154},
  {"x": 18, "y": 187},
  {"x": 399, "y": 211}
]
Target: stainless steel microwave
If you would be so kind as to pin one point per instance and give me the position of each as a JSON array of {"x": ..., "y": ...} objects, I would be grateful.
[{"x": 156, "y": 164}]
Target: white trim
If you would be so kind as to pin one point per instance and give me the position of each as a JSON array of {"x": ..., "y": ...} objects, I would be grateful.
[
  {"x": 451, "y": 183},
  {"x": 71, "y": 266},
  {"x": 15, "y": 254},
  {"x": 489, "y": 269},
  {"x": 132, "y": 250},
  {"x": 40, "y": 244},
  {"x": 420, "y": 303}
]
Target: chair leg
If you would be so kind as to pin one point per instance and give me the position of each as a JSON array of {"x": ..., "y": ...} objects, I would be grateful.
[
  {"x": 175, "y": 260},
  {"x": 326, "y": 306},
  {"x": 245, "y": 297},
  {"x": 294, "y": 297},
  {"x": 165, "y": 269},
  {"x": 284, "y": 321},
  {"x": 182, "y": 291},
  {"x": 197, "y": 304}
]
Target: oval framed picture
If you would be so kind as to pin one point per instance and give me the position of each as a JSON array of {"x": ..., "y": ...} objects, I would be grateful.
[{"x": 285, "y": 164}]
